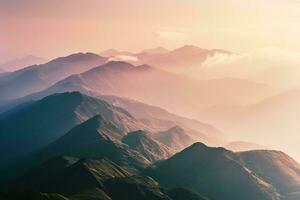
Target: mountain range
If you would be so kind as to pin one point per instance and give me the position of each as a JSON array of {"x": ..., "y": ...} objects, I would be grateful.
[
  {"x": 121, "y": 125},
  {"x": 38, "y": 77},
  {"x": 109, "y": 162},
  {"x": 154, "y": 86},
  {"x": 177, "y": 60},
  {"x": 31, "y": 126},
  {"x": 217, "y": 173}
]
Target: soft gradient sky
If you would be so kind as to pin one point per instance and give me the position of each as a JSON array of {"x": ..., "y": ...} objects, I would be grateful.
[{"x": 50, "y": 28}]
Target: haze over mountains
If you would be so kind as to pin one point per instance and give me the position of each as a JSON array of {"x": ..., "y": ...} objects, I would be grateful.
[
  {"x": 178, "y": 60},
  {"x": 154, "y": 86},
  {"x": 137, "y": 126},
  {"x": 19, "y": 63},
  {"x": 38, "y": 77}
]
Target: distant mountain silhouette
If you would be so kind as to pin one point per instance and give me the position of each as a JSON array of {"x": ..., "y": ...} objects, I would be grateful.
[
  {"x": 38, "y": 77},
  {"x": 182, "y": 58},
  {"x": 156, "y": 87}
]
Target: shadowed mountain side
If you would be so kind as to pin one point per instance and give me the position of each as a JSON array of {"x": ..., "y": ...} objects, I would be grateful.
[
  {"x": 38, "y": 124},
  {"x": 93, "y": 139},
  {"x": 68, "y": 178},
  {"x": 180, "y": 194},
  {"x": 213, "y": 172},
  {"x": 33, "y": 196},
  {"x": 38, "y": 77},
  {"x": 99, "y": 179},
  {"x": 275, "y": 167}
]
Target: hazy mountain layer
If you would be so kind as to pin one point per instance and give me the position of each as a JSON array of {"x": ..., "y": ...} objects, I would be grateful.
[
  {"x": 157, "y": 87},
  {"x": 274, "y": 116},
  {"x": 38, "y": 77}
]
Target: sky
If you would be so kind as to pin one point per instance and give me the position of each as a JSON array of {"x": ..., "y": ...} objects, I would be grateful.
[{"x": 51, "y": 28}]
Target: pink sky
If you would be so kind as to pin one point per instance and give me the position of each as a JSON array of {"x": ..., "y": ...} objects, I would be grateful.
[{"x": 54, "y": 27}]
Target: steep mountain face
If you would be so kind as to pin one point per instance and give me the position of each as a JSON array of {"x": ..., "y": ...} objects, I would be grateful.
[
  {"x": 52, "y": 176},
  {"x": 93, "y": 179},
  {"x": 175, "y": 138},
  {"x": 213, "y": 172},
  {"x": 157, "y": 87},
  {"x": 93, "y": 139},
  {"x": 276, "y": 168},
  {"x": 38, "y": 77},
  {"x": 147, "y": 146},
  {"x": 34, "y": 125},
  {"x": 20, "y": 63}
]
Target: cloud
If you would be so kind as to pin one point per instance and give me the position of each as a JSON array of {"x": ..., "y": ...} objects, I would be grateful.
[
  {"x": 279, "y": 67},
  {"x": 124, "y": 58},
  {"x": 221, "y": 58}
]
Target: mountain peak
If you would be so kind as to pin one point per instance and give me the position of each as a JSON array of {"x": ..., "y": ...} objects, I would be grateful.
[
  {"x": 199, "y": 148},
  {"x": 95, "y": 121},
  {"x": 74, "y": 94},
  {"x": 197, "y": 145},
  {"x": 77, "y": 57}
]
